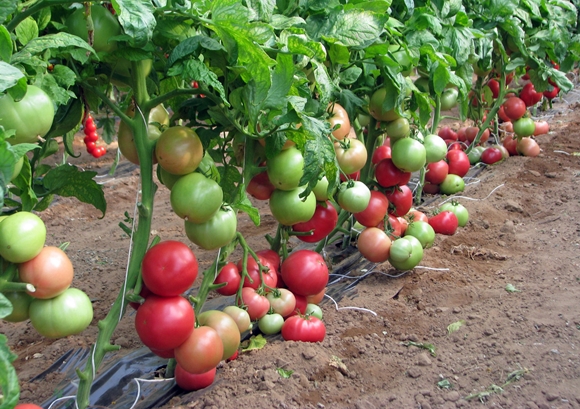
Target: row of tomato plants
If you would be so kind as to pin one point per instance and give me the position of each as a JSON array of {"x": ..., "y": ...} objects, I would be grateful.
[{"x": 310, "y": 106}]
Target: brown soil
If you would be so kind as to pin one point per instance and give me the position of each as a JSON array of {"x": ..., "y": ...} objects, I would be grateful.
[{"x": 524, "y": 230}]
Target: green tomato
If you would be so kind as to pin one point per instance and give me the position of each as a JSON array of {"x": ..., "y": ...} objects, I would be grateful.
[
  {"x": 105, "y": 26},
  {"x": 314, "y": 310},
  {"x": 320, "y": 190},
  {"x": 22, "y": 237},
  {"x": 376, "y": 107},
  {"x": 397, "y": 129},
  {"x": 408, "y": 154},
  {"x": 217, "y": 232},
  {"x": 30, "y": 117},
  {"x": 17, "y": 168},
  {"x": 168, "y": 179},
  {"x": 406, "y": 253},
  {"x": 354, "y": 196},
  {"x": 196, "y": 198},
  {"x": 422, "y": 231},
  {"x": 474, "y": 155},
  {"x": 286, "y": 168},
  {"x": 435, "y": 148},
  {"x": 20, "y": 301},
  {"x": 422, "y": 85},
  {"x": 460, "y": 211},
  {"x": 271, "y": 324},
  {"x": 524, "y": 127},
  {"x": 288, "y": 208},
  {"x": 68, "y": 313},
  {"x": 452, "y": 184},
  {"x": 449, "y": 99}
]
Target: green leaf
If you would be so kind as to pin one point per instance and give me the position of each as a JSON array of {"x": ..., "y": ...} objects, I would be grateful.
[
  {"x": 243, "y": 203},
  {"x": 451, "y": 328},
  {"x": 137, "y": 19},
  {"x": 9, "y": 76},
  {"x": 198, "y": 71},
  {"x": 58, "y": 94},
  {"x": 191, "y": 46},
  {"x": 441, "y": 78},
  {"x": 339, "y": 54},
  {"x": 261, "y": 9},
  {"x": 24, "y": 183},
  {"x": 39, "y": 45},
  {"x": 27, "y": 30},
  {"x": 6, "y": 307},
  {"x": 284, "y": 373},
  {"x": 423, "y": 345},
  {"x": 7, "y": 7},
  {"x": 510, "y": 288},
  {"x": 457, "y": 41},
  {"x": 9, "y": 388},
  {"x": 5, "y": 45},
  {"x": 319, "y": 155},
  {"x": 324, "y": 84},
  {"x": 444, "y": 384},
  {"x": 282, "y": 79},
  {"x": 255, "y": 342},
  {"x": 70, "y": 181},
  {"x": 67, "y": 118}
]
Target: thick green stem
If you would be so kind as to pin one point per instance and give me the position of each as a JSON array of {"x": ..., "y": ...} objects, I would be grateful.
[
  {"x": 436, "y": 114},
  {"x": 13, "y": 286},
  {"x": 140, "y": 239}
]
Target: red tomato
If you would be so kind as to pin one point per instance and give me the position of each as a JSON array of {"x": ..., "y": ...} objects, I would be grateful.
[
  {"x": 502, "y": 115},
  {"x": 201, "y": 352},
  {"x": 260, "y": 186},
  {"x": 529, "y": 95},
  {"x": 404, "y": 224},
  {"x": 316, "y": 298},
  {"x": 510, "y": 144},
  {"x": 27, "y": 406},
  {"x": 253, "y": 281},
  {"x": 50, "y": 272},
  {"x": 272, "y": 257},
  {"x": 375, "y": 211},
  {"x": 169, "y": 268},
  {"x": 167, "y": 354},
  {"x": 374, "y": 244},
  {"x": 437, "y": 172},
  {"x": 461, "y": 134},
  {"x": 553, "y": 93},
  {"x": 352, "y": 176},
  {"x": 400, "y": 199},
  {"x": 380, "y": 153},
  {"x": 305, "y": 272},
  {"x": 303, "y": 328},
  {"x": 193, "y": 382},
  {"x": 431, "y": 188},
  {"x": 257, "y": 305},
  {"x": 230, "y": 275},
  {"x": 491, "y": 155},
  {"x": 458, "y": 162},
  {"x": 144, "y": 293},
  {"x": 514, "y": 108},
  {"x": 494, "y": 87},
  {"x": 301, "y": 304},
  {"x": 159, "y": 316},
  {"x": 445, "y": 222},
  {"x": 321, "y": 224},
  {"x": 447, "y": 133},
  {"x": 387, "y": 174},
  {"x": 392, "y": 226},
  {"x": 416, "y": 216},
  {"x": 225, "y": 326}
]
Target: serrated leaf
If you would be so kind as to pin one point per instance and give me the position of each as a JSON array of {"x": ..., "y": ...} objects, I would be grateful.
[
  {"x": 9, "y": 76},
  {"x": 9, "y": 387},
  {"x": 282, "y": 79},
  {"x": 137, "y": 20},
  {"x": 255, "y": 342},
  {"x": 66, "y": 119},
  {"x": 191, "y": 46},
  {"x": 451, "y": 328},
  {"x": 70, "y": 181},
  {"x": 284, "y": 373},
  {"x": 510, "y": 288}
]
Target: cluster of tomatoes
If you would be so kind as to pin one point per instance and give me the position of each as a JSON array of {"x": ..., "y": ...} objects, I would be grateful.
[
  {"x": 91, "y": 138},
  {"x": 54, "y": 308}
]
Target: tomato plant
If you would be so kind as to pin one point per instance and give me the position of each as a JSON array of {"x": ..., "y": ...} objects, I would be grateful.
[
  {"x": 514, "y": 108},
  {"x": 256, "y": 304},
  {"x": 339, "y": 119},
  {"x": 253, "y": 279},
  {"x": 282, "y": 301},
  {"x": 105, "y": 26}
]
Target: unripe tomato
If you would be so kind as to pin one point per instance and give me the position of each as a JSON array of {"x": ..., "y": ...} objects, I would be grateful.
[
  {"x": 179, "y": 150},
  {"x": 376, "y": 107},
  {"x": 408, "y": 154},
  {"x": 105, "y": 26},
  {"x": 217, "y": 232},
  {"x": 22, "y": 237},
  {"x": 288, "y": 208},
  {"x": 286, "y": 168},
  {"x": 196, "y": 198}
]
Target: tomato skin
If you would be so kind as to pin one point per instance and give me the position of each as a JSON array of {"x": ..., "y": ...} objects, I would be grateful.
[
  {"x": 375, "y": 211},
  {"x": 159, "y": 316},
  {"x": 376, "y": 107},
  {"x": 491, "y": 155},
  {"x": 286, "y": 169},
  {"x": 445, "y": 222},
  {"x": 430, "y": 188},
  {"x": 68, "y": 313},
  {"x": 240, "y": 317},
  {"x": 524, "y": 127},
  {"x": 351, "y": 155},
  {"x": 321, "y": 224},
  {"x": 304, "y": 329},
  {"x": 528, "y": 147},
  {"x": 226, "y": 328},
  {"x": 406, "y": 253},
  {"x": 502, "y": 115},
  {"x": 304, "y": 272},
  {"x": 374, "y": 244},
  {"x": 388, "y": 175},
  {"x": 514, "y": 108},
  {"x": 553, "y": 93},
  {"x": 201, "y": 351},
  {"x": 529, "y": 95},
  {"x": 271, "y": 324},
  {"x": 270, "y": 276},
  {"x": 179, "y": 150},
  {"x": 260, "y": 186},
  {"x": 493, "y": 85},
  {"x": 31, "y": 117},
  {"x": 458, "y": 162},
  {"x": 196, "y": 198},
  {"x": 169, "y": 268},
  {"x": 20, "y": 305},
  {"x": 27, "y": 406},
  {"x": 217, "y": 232},
  {"x": 437, "y": 172},
  {"x": 400, "y": 199},
  {"x": 228, "y": 274},
  {"x": 408, "y": 154},
  {"x": 193, "y": 382},
  {"x": 397, "y": 129},
  {"x": 354, "y": 196},
  {"x": 272, "y": 257},
  {"x": 380, "y": 153},
  {"x": 542, "y": 128},
  {"x": 415, "y": 215},
  {"x": 510, "y": 144},
  {"x": 50, "y": 272},
  {"x": 460, "y": 211},
  {"x": 422, "y": 231},
  {"x": 282, "y": 301},
  {"x": 288, "y": 208},
  {"x": 435, "y": 148},
  {"x": 447, "y": 133},
  {"x": 22, "y": 237},
  {"x": 452, "y": 184},
  {"x": 257, "y": 305}
]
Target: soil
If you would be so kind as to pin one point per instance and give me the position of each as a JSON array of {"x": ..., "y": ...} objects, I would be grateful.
[{"x": 515, "y": 349}]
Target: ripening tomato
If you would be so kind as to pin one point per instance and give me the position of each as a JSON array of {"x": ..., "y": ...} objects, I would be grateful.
[
  {"x": 528, "y": 147},
  {"x": 374, "y": 244},
  {"x": 179, "y": 150},
  {"x": 240, "y": 317},
  {"x": 303, "y": 328},
  {"x": 354, "y": 196},
  {"x": 230, "y": 275},
  {"x": 169, "y": 268},
  {"x": 282, "y": 301},
  {"x": 304, "y": 272},
  {"x": 201, "y": 351},
  {"x": 321, "y": 224},
  {"x": 256, "y": 304},
  {"x": 375, "y": 211},
  {"x": 437, "y": 172},
  {"x": 542, "y": 128},
  {"x": 400, "y": 199},
  {"x": 514, "y": 108},
  {"x": 460, "y": 211},
  {"x": 50, "y": 272},
  {"x": 444, "y": 222},
  {"x": 491, "y": 155},
  {"x": 338, "y": 117},
  {"x": 193, "y": 382},
  {"x": 510, "y": 144},
  {"x": 226, "y": 328},
  {"x": 351, "y": 155}
]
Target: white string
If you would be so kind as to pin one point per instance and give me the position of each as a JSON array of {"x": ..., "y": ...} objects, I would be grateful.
[
  {"x": 139, "y": 387},
  {"x": 62, "y": 398},
  {"x": 471, "y": 198},
  {"x": 350, "y": 308},
  {"x": 564, "y": 152}
]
